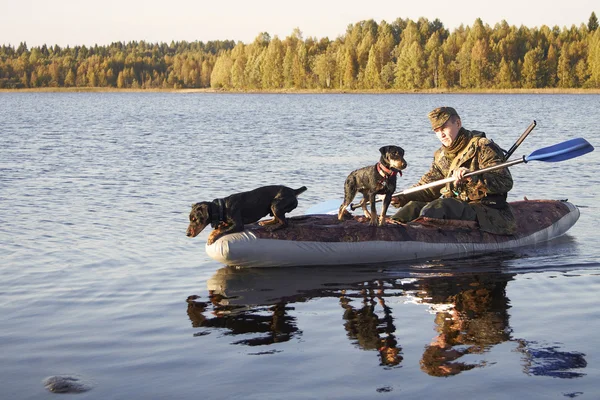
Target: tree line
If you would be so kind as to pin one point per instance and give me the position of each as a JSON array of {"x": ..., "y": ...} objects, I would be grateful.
[{"x": 402, "y": 55}]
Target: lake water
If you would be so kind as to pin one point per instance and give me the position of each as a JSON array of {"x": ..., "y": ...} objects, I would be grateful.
[{"x": 96, "y": 270}]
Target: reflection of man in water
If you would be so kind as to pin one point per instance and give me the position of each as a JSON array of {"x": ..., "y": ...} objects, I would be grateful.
[
  {"x": 369, "y": 330},
  {"x": 477, "y": 320}
]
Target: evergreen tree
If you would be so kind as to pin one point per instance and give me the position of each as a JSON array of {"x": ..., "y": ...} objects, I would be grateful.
[
  {"x": 593, "y": 22},
  {"x": 551, "y": 66},
  {"x": 533, "y": 69},
  {"x": 388, "y": 75},
  {"x": 288, "y": 67},
  {"x": 34, "y": 81},
  {"x": 205, "y": 73},
  {"x": 442, "y": 72},
  {"x": 410, "y": 69},
  {"x": 564, "y": 70},
  {"x": 581, "y": 73},
  {"x": 120, "y": 80},
  {"x": 410, "y": 65},
  {"x": 367, "y": 37},
  {"x": 385, "y": 43},
  {"x": 433, "y": 51},
  {"x": 70, "y": 78},
  {"x": 55, "y": 75},
  {"x": 505, "y": 77},
  {"x": 350, "y": 68},
  {"x": 479, "y": 68},
  {"x": 371, "y": 78}
]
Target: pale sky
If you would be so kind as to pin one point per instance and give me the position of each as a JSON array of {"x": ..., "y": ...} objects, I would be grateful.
[{"x": 89, "y": 22}]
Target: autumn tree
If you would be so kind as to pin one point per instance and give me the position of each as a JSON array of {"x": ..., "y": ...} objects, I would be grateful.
[
  {"x": 371, "y": 78},
  {"x": 240, "y": 59},
  {"x": 594, "y": 59},
  {"x": 534, "y": 69},
  {"x": 403, "y": 54},
  {"x": 410, "y": 65},
  {"x": 221, "y": 74},
  {"x": 433, "y": 50},
  {"x": 272, "y": 71},
  {"x": 410, "y": 69},
  {"x": 324, "y": 67}
]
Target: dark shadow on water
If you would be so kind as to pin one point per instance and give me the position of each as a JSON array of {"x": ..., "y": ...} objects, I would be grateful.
[{"x": 467, "y": 298}]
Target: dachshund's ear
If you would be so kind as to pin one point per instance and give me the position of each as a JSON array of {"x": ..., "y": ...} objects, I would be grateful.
[{"x": 384, "y": 149}]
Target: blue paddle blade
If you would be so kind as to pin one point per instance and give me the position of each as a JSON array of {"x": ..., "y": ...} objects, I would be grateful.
[{"x": 561, "y": 151}]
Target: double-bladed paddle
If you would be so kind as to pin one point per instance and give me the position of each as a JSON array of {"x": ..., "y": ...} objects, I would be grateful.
[{"x": 559, "y": 152}]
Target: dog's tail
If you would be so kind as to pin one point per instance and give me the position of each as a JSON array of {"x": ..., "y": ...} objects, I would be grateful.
[{"x": 299, "y": 190}]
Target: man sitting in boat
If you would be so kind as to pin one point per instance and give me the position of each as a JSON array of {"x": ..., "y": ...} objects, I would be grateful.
[{"x": 480, "y": 198}]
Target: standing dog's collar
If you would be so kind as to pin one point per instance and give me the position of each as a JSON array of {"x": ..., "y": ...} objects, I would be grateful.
[
  {"x": 387, "y": 172},
  {"x": 218, "y": 217}
]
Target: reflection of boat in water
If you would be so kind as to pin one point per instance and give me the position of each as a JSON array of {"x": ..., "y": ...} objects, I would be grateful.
[
  {"x": 470, "y": 313},
  {"x": 323, "y": 240}
]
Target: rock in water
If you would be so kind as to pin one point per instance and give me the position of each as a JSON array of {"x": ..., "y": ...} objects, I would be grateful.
[{"x": 67, "y": 384}]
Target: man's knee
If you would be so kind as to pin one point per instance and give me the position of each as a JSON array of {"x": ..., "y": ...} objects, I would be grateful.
[
  {"x": 449, "y": 208},
  {"x": 410, "y": 211}
]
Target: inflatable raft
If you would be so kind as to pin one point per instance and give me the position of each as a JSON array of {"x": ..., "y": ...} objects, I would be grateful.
[{"x": 323, "y": 240}]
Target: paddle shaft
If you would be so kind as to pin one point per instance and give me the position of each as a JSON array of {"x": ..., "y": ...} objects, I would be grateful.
[
  {"x": 520, "y": 140},
  {"x": 447, "y": 180},
  {"x": 442, "y": 182}
]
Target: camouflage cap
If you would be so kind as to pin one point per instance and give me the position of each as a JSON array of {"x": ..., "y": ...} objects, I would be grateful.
[{"x": 440, "y": 115}]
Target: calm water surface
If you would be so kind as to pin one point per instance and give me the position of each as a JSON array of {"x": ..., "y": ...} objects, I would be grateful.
[{"x": 96, "y": 269}]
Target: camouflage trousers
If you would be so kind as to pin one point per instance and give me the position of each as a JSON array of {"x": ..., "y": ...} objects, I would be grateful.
[{"x": 443, "y": 208}]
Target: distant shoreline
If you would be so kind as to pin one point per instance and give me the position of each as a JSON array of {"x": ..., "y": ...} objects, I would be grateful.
[{"x": 304, "y": 91}]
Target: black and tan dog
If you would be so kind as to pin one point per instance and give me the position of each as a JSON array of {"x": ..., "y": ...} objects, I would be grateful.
[
  {"x": 373, "y": 180},
  {"x": 229, "y": 214}
]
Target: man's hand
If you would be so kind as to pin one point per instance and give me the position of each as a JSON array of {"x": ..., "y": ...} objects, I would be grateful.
[
  {"x": 459, "y": 173},
  {"x": 399, "y": 201}
]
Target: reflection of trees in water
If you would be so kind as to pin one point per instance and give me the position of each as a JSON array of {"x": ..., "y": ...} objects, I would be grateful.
[{"x": 471, "y": 317}]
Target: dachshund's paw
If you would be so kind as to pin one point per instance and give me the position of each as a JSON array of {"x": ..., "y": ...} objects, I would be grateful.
[{"x": 214, "y": 235}]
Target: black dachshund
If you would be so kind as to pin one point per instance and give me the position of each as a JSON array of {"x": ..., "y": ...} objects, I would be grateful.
[{"x": 229, "y": 214}]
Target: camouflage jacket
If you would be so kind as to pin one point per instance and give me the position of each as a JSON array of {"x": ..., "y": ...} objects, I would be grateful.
[{"x": 486, "y": 192}]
